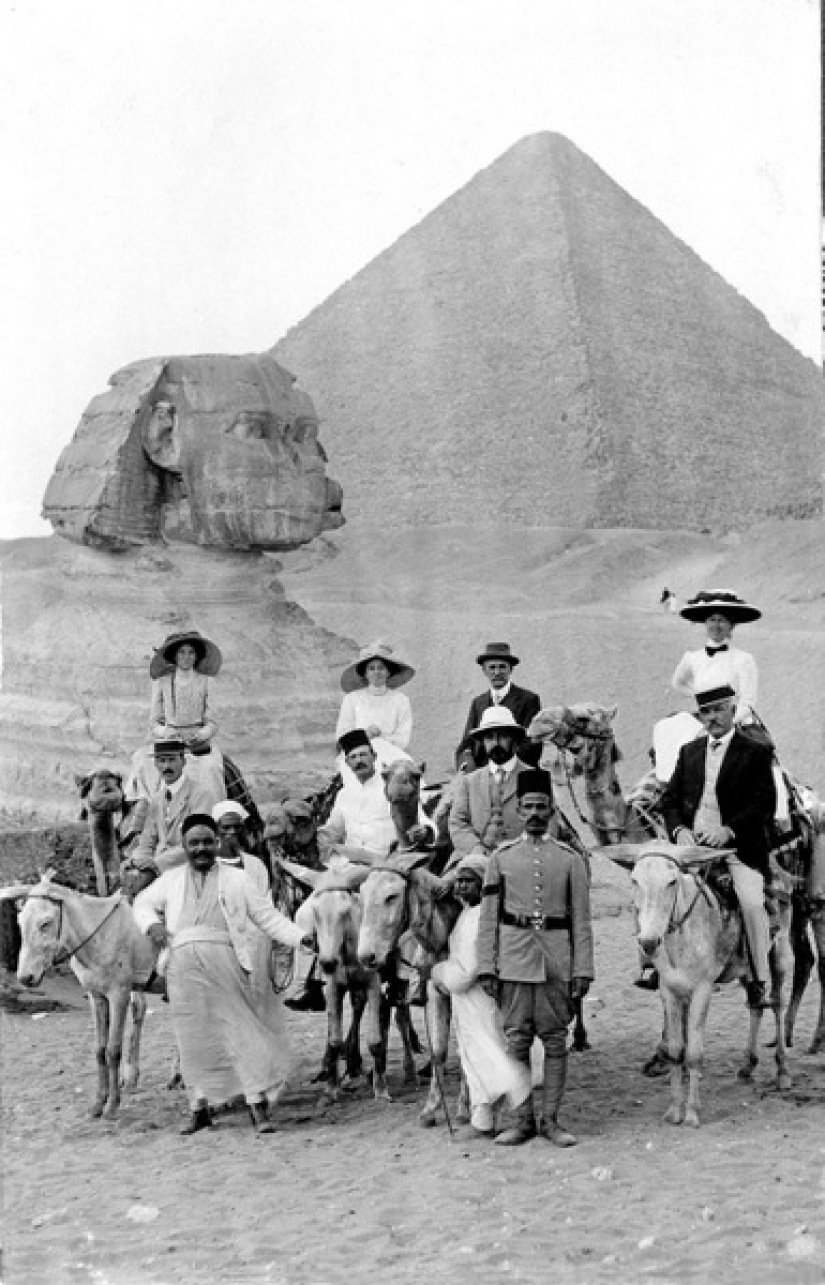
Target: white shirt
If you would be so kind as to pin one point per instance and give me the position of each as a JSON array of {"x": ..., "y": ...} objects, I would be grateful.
[
  {"x": 698, "y": 672},
  {"x": 389, "y": 710},
  {"x": 361, "y": 817},
  {"x": 498, "y": 694},
  {"x": 506, "y": 768}
]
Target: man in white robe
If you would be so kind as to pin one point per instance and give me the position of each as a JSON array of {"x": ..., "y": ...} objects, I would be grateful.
[{"x": 491, "y": 1073}]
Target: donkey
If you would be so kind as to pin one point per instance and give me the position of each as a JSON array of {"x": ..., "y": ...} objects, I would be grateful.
[
  {"x": 332, "y": 913},
  {"x": 695, "y": 943},
  {"x": 110, "y": 957}
]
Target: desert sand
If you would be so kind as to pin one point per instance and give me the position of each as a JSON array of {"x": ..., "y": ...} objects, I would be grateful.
[{"x": 357, "y": 1191}]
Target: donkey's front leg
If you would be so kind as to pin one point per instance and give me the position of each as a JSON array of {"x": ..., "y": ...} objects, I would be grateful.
[
  {"x": 130, "y": 1068},
  {"x": 438, "y": 1025},
  {"x": 378, "y": 1025},
  {"x": 118, "y": 1008},
  {"x": 100, "y": 1016},
  {"x": 696, "y": 1018},
  {"x": 675, "y": 1024}
]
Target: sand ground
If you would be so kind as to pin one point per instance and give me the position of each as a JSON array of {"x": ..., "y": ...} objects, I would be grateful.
[{"x": 357, "y": 1192}]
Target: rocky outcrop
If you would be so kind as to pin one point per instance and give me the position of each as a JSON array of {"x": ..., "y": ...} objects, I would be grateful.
[
  {"x": 541, "y": 350},
  {"x": 79, "y": 628},
  {"x": 215, "y": 450}
]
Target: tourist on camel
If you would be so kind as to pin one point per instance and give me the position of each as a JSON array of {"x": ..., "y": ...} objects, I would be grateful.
[
  {"x": 180, "y": 671},
  {"x": 485, "y": 809},
  {"x": 722, "y": 795},
  {"x": 497, "y": 663},
  {"x": 178, "y": 794},
  {"x": 719, "y": 662},
  {"x": 373, "y": 704},
  {"x": 203, "y": 910}
]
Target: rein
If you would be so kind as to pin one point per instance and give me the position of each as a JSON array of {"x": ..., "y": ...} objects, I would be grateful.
[
  {"x": 702, "y": 890},
  {"x": 407, "y": 923},
  {"x": 57, "y": 901}
]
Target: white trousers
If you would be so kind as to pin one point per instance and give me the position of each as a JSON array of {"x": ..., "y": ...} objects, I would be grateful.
[{"x": 749, "y": 887}]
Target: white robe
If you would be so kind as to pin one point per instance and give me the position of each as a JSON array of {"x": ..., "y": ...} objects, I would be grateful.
[{"x": 488, "y": 1068}]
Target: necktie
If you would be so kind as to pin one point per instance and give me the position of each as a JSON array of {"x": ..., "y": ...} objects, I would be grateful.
[
  {"x": 713, "y": 651},
  {"x": 715, "y": 745},
  {"x": 168, "y": 797}
]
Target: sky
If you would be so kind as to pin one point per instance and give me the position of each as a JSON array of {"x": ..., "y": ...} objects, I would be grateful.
[{"x": 190, "y": 176}]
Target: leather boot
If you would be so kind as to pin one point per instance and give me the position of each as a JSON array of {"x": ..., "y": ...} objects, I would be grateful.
[
  {"x": 555, "y": 1074},
  {"x": 311, "y": 999},
  {"x": 523, "y": 1129},
  {"x": 259, "y": 1113},
  {"x": 199, "y": 1119}
]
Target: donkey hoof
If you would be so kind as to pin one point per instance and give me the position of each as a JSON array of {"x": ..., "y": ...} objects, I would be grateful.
[
  {"x": 97, "y": 1110},
  {"x": 816, "y": 1044},
  {"x": 110, "y": 1111},
  {"x": 462, "y": 1116},
  {"x": 175, "y": 1081},
  {"x": 331, "y": 1094},
  {"x": 129, "y": 1077},
  {"x": 675, "y": 1114},
  {"x": 691, "y": 1118},
  {"x": 427, "y": 1119},
  {"x": 784, "y": 1081}
]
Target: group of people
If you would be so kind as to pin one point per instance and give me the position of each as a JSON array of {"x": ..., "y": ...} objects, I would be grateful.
[{"x": 521, "y": 952}]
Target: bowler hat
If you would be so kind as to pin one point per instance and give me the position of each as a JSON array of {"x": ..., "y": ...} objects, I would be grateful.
[
  {"x": 355, "y": 677},
  {"x": 497, "y": 651}
]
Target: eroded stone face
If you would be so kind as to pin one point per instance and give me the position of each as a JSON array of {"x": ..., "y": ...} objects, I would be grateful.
[{"x": 217, "y": 450}]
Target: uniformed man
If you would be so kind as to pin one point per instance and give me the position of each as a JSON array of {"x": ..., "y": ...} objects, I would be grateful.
[{"x": 535, "y": 949}]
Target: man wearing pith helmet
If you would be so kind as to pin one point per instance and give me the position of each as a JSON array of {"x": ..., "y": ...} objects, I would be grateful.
[
  {"x": 535, "y": 949},
  {"x": 497, "y": 662}
]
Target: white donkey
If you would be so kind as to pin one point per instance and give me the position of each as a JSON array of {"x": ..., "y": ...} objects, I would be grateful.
[{"x": 110, "y": 957}]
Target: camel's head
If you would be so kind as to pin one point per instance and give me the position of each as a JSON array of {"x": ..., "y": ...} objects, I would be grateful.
[
  {"x": 583, "y": 731},
  {"x": 100, "y": 791},
  {"x": 402, "y": 780}
]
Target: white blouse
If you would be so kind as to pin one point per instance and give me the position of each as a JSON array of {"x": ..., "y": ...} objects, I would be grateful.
[
  {"x": 389, "y": 710},
  {"x": 697, "y": 672}
]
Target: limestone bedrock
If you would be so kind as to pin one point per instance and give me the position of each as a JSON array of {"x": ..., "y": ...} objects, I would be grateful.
[{"x": 213, "y": 450}]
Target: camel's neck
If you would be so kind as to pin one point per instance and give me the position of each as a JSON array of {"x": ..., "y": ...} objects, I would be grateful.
[
  {"x": 608, "y": 810},
  {"x": 404, "y": 813},
  {"x": 105, "y": 855}
]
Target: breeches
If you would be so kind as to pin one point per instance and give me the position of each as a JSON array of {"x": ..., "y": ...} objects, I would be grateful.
[
  {"x": 749, "y": 887},
  {"x": 535, "y": 1009}
]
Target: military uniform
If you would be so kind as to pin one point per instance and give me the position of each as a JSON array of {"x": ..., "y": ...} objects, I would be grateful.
[{"x": 535, "y": 936}]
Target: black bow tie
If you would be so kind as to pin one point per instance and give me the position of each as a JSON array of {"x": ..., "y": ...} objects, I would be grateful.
[{"x": 711, "y": 651}]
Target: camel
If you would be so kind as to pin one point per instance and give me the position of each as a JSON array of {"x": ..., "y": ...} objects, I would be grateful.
[
  {"x": 109, "y": 956},
  {"x": 695, "y": 942},
  {"x": 101, "y": 793}
]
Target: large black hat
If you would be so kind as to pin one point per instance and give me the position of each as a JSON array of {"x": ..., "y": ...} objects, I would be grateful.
[
  {"x": 497, "y": 651},
  {"x": 209, "y": 656},
  {"x": 703, "y": 605}
]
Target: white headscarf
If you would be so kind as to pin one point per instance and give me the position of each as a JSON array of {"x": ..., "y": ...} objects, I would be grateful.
[{"x": 229, "y": 808}]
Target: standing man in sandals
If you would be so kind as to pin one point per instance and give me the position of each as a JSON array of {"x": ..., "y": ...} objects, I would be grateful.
[
  {"x": 535, "y": 950},
  {"x": 497, "y": 663}
]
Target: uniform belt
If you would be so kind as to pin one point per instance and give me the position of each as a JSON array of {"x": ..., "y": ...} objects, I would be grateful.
[{"x": 538, "y": 922}]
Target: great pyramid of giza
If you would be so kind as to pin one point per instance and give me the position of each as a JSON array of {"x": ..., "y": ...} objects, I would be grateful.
[{"x": 542, "y": 350}]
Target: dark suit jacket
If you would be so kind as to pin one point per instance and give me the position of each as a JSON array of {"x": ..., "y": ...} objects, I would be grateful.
[
  {"x": 744, "y": 788},
  {"x": 523, "y": 705}
]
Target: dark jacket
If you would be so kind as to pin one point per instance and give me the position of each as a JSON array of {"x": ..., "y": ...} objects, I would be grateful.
[
  {"x": 745, "y": 791},
  {"x": 522, "y": 704}
]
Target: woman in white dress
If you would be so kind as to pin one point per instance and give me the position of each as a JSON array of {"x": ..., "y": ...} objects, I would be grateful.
[
  {"x": 373, "y": 704},
  {"x": 719, "y": 662}
]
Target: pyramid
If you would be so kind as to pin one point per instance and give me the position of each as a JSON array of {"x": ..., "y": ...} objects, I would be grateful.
[{"x": 542, "y": 350}]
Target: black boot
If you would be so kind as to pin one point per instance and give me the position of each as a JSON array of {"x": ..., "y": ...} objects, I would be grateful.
[
  {"x": 259, "y": 1113},
  {"x": 555, "y": 1074},
  {"x": 758, "y": 997},
  {"x": 198, "y": 1119},
  {"x": 648, "y": 980},
  {"x": 522, "y": 1129},
  {"x": 311, "y": 999}
]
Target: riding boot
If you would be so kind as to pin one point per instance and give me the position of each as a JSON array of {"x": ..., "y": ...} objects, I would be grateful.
[
  {"x": 555, "y": 1074},
  {"x": 311, "y": 999},
  {"x": 199, "y": 1118},
  {"x": 523, "y": 1128},
  {"x": 259, "y": 1113}
]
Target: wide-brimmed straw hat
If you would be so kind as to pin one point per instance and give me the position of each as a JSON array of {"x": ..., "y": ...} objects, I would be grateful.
[
  {"x": 703, "y": 605},
  {"x": 209, "y": 656},
  {"x": 497, "y": 651},
  {"x": 498, "y": 718},
  {"x": 354, "y": 676}
]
